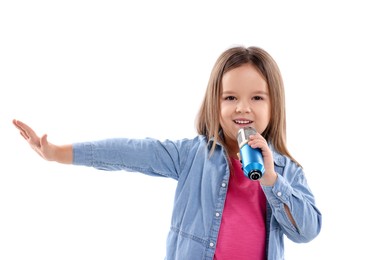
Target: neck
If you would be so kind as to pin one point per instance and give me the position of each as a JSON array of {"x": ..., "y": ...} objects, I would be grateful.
[{"x": 232, "y": 150}]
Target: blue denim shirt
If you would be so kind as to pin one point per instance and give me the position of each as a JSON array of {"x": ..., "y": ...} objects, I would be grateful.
[{"x": 201, "y": 191}]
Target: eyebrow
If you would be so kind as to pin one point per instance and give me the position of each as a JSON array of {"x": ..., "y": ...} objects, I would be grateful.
[
  {"x": 261, "y": 92},
  {"x": 255, "y": 93}
]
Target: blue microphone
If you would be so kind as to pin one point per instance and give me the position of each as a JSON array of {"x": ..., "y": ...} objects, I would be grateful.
[{"x": 251, "y": 159}]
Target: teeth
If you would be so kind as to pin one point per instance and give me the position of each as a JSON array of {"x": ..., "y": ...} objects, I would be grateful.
[{"x": 242, "y": 121}]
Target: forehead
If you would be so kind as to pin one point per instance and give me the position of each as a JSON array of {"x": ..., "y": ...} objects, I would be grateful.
[{"x": 245, "y": 77}]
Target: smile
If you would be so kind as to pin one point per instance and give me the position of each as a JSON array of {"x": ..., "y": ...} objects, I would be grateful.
[{"x": 242, "y": 122}]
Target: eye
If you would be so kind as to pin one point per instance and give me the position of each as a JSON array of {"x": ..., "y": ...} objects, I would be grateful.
[
  {"x": 257, "y": 98},
  {"x": 230, "y": 98}
]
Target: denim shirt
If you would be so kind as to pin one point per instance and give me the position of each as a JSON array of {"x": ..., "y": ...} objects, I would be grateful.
[{"x": 201, "y": 191}]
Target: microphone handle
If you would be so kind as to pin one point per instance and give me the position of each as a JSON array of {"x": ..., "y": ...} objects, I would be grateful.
[{"x": 252, "y": 162}]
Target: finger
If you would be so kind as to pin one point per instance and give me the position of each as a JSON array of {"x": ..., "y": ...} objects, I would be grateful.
[
  {"x": 15, "y": 122},
  {"x": 24, "y": 135},
  {"x": 258, "y": 143},
  {"x": 28, "y": 133},
  {"x": 22, "y": 130},
  {"x": 23, "y": 127}
]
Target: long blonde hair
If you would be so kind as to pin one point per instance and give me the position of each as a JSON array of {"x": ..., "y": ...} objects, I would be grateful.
[{"x": 208, "y": 119}]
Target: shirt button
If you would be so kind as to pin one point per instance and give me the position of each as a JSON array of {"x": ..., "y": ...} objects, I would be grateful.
[
  {"x": 217, "y": 214},
  {"x": 223, "y": 185},
  {"x": 211, "y": 244},
  {"x": 279, "y": 193}
]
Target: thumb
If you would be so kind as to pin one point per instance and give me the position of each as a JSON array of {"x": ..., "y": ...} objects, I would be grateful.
[{"x": 43, "y": 141}]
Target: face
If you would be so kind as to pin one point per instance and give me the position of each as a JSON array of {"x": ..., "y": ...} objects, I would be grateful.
[{"x": 244, "y": 102}]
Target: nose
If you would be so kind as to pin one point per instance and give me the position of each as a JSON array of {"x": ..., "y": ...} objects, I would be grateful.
[{"x": 243, "y": 107}]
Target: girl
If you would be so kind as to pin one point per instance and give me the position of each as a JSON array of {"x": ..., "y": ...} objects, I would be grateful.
[{"x": 218, "y": 213}]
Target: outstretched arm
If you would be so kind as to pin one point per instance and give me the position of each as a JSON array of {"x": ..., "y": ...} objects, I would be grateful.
[{"x": 47, "y": 150}]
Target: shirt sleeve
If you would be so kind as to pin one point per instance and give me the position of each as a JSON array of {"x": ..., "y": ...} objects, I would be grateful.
[
  {"x": 291, "y": 189},
  {"x": 149, "y": 156}
]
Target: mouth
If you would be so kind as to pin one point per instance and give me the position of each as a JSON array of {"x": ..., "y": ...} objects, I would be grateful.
[{"x": 242, "y": 122}]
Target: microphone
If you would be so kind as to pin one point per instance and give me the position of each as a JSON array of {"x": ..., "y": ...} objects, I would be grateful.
[{"x": 251, "y": 159}]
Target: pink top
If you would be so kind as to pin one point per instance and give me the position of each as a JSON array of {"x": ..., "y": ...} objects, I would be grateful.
[{"x": 243, "y": 226}]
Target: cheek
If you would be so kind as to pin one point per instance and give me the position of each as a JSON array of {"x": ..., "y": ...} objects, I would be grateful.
[
  {"x": 265, "y": 109},
  {"x": 263, "y": 115},
  {"x": 224, "y": 111},
  {"x": 225, "y": 116},
  {"x": 266, "y": 112},
  {"x": 222, "y": 120}
]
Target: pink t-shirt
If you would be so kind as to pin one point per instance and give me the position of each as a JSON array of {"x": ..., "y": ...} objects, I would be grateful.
[{"x": 243, "y": 226}]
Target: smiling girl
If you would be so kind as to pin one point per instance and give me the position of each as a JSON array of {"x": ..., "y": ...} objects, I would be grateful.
[{"x": 218, "y": 213}]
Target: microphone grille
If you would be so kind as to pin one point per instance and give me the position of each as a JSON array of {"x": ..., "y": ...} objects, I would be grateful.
[{"x": 243, "y": 135}]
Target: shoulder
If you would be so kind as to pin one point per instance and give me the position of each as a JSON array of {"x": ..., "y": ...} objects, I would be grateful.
[
  {"x": 195, "y": 141},
  {"x": 282, "y": 160},
  {"x": 286, "y": 167},
  {"x": 185, "y": 144}
]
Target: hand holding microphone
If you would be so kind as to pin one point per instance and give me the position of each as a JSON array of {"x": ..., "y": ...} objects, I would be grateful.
[{"x": 251, "y": 159}]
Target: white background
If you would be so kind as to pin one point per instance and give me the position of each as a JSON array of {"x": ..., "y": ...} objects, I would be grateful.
[{"x": 83, "y": 70}]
